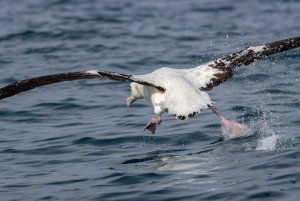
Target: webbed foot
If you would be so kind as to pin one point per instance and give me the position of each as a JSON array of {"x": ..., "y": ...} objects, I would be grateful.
[
  {"x": 233, "y": 128},
  {"x": 236, "y": 129},
  {"x": 151, "y": 125}
]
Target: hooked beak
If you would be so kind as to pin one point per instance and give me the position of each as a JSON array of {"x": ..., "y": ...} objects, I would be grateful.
[{"x": 130, "y": 100}]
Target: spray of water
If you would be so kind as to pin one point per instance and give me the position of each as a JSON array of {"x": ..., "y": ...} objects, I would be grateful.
[{"x": 267, "y": 139}]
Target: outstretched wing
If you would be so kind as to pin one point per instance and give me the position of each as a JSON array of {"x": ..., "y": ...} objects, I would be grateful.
[
  {"x": 213, "y": 73},
  {"x": 28, "y": 84}
]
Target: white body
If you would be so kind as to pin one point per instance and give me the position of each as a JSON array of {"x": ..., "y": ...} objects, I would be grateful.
[{"x": 182, "y": 97}]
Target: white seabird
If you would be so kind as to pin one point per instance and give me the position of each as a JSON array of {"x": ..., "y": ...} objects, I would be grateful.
[{"x": 180, "y": 92}]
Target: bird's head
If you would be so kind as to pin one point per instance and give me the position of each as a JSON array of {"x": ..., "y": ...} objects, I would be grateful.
[{"x": 135, "y": 93}]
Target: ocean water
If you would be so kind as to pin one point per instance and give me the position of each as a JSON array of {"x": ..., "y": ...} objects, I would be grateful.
[{"x": 78, "y": 141}]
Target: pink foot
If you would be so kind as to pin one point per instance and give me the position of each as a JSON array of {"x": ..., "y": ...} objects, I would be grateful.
[
  {"x": 234, "y": 129},
  {"x": 151, "y": 125}
]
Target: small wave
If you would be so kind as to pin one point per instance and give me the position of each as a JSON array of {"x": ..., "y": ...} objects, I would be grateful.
[
  {"x": 120, "y": 140},
  {"x": 50, "y": 150},
  {"x": 257, "y": 77},
  {"x": 30, "y": 34},
  {"x": 213, "y": 9},
  {"x": 273, "y": 91},
  {"x": 61, "y": 106},
  {"x": 72, "y": 181},
  {"x": 45, "y": 50},
  {"x": 154, "y": 156},
  {"x": 265, "y": 194}
]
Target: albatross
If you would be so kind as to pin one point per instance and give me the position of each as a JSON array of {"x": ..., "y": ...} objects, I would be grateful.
[{"x": 179, "y": 92}]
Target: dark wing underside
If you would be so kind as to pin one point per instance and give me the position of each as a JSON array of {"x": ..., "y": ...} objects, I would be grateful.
[
  {"x": 28, "y": 84},
  {"x": 224, "y": 67}
]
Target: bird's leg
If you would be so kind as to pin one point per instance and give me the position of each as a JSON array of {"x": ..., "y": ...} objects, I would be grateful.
[
  {"x": 151, "y": 125},
  {"x": 233, "y": 127}
]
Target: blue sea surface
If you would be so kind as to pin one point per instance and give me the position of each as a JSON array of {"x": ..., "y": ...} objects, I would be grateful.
[{"x": 78, "y": 141}]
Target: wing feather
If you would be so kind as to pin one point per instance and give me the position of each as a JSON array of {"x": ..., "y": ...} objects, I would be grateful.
[
  {"x": 213, "y": 73},
  {"x": 28, "y": 84}
]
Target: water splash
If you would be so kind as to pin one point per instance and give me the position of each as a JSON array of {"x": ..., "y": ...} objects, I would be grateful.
[
  {"x": 268, "y": 143},
  {"x": 268, "y": 140}
]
